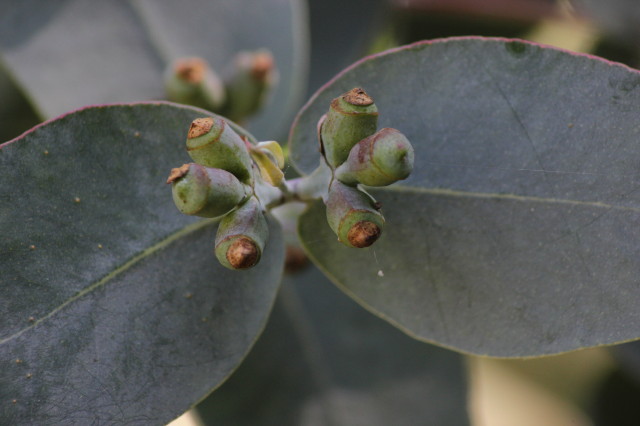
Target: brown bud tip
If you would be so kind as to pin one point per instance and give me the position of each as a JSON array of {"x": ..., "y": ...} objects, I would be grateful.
[
  {"x": 243, "y": 253},
  {"x": 262, "y": 65},
  {"x": 363, "y": 234},
  {"x": 199, "y": 127},
  {"x": 357, "y": 97},
  {"x": 191, "y": 70},
  {"x": 177, "y": 173}
]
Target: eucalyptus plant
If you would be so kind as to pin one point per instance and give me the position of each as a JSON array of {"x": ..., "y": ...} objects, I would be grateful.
[{"x": 485, "y": 203}]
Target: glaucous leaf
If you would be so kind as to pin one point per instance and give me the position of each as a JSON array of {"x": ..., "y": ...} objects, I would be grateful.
[
  {"x": 114, "y": 308},
  {"x": 117, "y": 51},
  {"x": 516, "y": 233},
  {"x": 324, "y": 360}
]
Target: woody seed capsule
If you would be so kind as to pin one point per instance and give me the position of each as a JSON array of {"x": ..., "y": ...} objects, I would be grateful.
[
  {"x": 353, "y": 216},
  {"x": 213, "y": 143},
  {"x": 241, "y": 236},
  {"x": 352, "y": 117}
]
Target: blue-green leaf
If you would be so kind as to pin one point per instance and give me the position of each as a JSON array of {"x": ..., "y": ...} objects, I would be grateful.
[
  {"x": 114, "y": 308},
  {"x": 516, "y": 234}
]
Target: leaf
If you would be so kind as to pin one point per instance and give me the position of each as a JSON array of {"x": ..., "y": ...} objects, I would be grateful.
[
  {"x": 341, "y": 33},
  {"x": 516, "y": 233},
  {"x": 16, "y": 115},
  {"x": 117, "y": 51},
  {"x": 114, "y": 308},
  {"x": 324, "y": 360}
]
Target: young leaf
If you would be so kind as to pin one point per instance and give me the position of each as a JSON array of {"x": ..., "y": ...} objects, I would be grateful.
[
  {"x": 117, "y": 51},
  {"x": 324, "y": 360},
  {"x": 516, "y": 234},
  {"x": 114, "y": 308}
]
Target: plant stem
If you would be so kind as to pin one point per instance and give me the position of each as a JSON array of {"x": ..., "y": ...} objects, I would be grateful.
[
  {"x": 305, "y": 188},
  {"x": 310, "y": 187}
]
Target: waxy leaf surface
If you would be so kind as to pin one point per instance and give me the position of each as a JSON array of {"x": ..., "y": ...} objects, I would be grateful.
[
  {"x": 323, "y": 360},
  {"x": 517, "y": 233},
  {"x": 114, "y": 308},
  {"x": 117, "y": 51}
]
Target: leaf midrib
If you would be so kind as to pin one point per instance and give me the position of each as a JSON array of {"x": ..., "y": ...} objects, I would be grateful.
[
  {"x": 121, "y": 269},
  {"x": 452, "y": 193}
]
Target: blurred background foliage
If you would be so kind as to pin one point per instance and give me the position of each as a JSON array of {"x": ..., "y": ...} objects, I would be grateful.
[{"x": 591, "y": 387}]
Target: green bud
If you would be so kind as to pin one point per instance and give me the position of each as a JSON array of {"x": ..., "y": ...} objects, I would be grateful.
[
  {"x": 191, "y": 81},
  {"x": 378, "y": 160},
  {"x": 253, "y": 76},
  {"x": 351, "y": 118},
  {"x": 205, "y": 192},
  {"x": 353, "y": 215},
  {"x": 242, "y": 235},
  {"x": 213, "y": 143},
  {"x": 269, "y": 158}
]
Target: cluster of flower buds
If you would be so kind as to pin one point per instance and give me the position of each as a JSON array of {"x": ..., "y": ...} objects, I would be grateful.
[
  {"x": 221, "y": 184},
  {"x": 236, "y": 181},
  {"x": 237, "y": 96},
  {"x": 358, "y": 154}
]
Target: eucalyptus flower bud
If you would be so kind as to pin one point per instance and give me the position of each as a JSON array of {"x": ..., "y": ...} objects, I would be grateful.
[
  {"x": 191, "y": 81},
  {"x": 353, "y": 216},
  {"x": 213, "y": 143},
  {"x": 352, "y": 117},
  {"x": 253, "y": 76},
  {"x": 378, "y": 160},
  {"x": 242, "y": 235},
  {"x": 205, "y": 192},
  {"x": 269, "y": 158}
]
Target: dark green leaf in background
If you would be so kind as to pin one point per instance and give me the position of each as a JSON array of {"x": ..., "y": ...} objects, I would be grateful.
[
  {"x": 323, "y": 360},
  {"x": 517, "y": 233},
  {"x": 341, "y": 32},
  {"x": 71, "y": 53},
  {"x": 16, "y": 115},
  {"x": 114, "y": 308}
]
